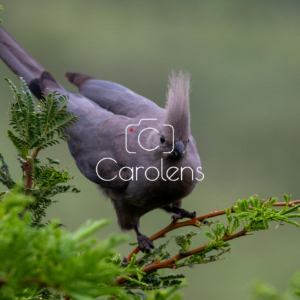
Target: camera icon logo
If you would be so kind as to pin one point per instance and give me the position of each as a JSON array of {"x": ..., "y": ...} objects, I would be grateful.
[{"x": 130, "y": 129}]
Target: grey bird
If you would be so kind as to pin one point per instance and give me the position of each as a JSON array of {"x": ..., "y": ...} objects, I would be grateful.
[{"x": 140, "y": 155}]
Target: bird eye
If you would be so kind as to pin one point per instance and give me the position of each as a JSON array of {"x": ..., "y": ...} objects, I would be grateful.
[
  {"x": 162, "y": 139},
  {"x": 188, "y": 140}
]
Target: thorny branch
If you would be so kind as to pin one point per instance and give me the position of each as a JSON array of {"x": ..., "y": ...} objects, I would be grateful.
[{"x": 170, "y": 263}]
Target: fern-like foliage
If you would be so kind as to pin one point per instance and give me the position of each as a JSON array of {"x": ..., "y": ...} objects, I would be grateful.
[
  {"x": 257, "y": 214},
  {"x": 48, "y": 182},
  {"x": 37, "y": 127}
]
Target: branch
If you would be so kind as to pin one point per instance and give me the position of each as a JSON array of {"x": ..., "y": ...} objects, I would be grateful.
[
  {"x": 28, "y": 168},
  {"x": 171, "y": 263},
  {"x": 195, "y": 222}
]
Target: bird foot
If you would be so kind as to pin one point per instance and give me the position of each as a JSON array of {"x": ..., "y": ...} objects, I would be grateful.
[
  {"x": 184, "y": 214},
  {"x": 145, "y": 243}
]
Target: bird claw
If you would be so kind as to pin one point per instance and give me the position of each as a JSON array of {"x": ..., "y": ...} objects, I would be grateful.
[
  {"x": 176, "y": 216},
  {"x": 145, "y": 243},
  {"x": 184, "y": 214},
  {"x": 191, "y": 215}
]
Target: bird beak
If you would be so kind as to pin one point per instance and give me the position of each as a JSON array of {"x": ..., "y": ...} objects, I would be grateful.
[{"x": 178, "y": 149}]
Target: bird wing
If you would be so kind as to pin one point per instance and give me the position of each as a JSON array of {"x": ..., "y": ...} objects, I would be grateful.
[
  {"x": 95, "y": 136},
  {"x": 115, "y": 97}
]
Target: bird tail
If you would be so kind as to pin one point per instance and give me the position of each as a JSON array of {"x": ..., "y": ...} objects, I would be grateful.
[{"x": 24, "y": 65}]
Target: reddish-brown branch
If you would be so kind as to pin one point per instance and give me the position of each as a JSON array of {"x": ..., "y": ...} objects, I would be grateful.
[
  {"x": 170, "y": 263},
  {"x": 195, "y": 222}
]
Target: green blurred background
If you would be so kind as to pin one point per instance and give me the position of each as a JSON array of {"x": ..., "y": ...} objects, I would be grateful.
[{"x": 244, "y": 57}]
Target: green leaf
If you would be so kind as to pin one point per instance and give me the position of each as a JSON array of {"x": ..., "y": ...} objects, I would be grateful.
[{"x": 209, "y": 235}]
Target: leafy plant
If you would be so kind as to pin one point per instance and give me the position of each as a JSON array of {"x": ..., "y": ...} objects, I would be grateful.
[
  {"x": 70, "y": 263},
  {"x": 38, "y": 127}
]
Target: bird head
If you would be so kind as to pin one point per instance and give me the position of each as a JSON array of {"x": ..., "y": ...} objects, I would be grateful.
[{"x": 175, "y": 132}]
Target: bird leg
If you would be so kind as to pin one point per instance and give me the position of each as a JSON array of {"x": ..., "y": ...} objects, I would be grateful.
[
  {"x": 145, "y": 243},
  {"x": 179, "y": 213}
]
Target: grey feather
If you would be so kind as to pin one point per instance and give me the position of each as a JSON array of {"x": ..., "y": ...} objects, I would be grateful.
[
  {"x": 114, "y": 97},
  {"x": 178, "y": 101}
]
